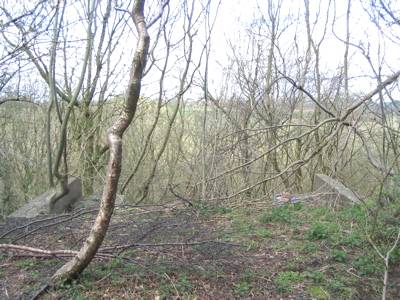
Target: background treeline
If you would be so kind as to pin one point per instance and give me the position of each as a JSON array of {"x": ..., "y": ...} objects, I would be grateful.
[{"x": 278, "y": 110}]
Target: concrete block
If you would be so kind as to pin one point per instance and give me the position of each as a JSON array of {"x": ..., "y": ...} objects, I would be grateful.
[
  {"x": 50, "y": 202},
  {"x": 333, "y": 192}
]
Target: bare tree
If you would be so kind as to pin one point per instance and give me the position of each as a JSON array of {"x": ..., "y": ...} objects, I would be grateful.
[{"x": 114, "y": 137}]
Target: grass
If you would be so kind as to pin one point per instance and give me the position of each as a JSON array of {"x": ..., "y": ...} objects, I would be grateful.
[
  {"x": 26, "y": 263},
  {"x": 308, "y": 252},
  {"x": 286, "y": 280},
  {"x": 338, "y": 255},
  {"x": 242, "y": 288}
]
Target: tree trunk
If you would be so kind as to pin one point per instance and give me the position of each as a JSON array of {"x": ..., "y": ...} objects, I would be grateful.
[{"x": 74, "y": 267}]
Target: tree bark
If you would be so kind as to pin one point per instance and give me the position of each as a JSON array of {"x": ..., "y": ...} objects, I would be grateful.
[{"x": 115, "y": 133}]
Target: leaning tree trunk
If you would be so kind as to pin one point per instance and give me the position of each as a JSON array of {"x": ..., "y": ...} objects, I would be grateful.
[{"x": 114, "y": 138}]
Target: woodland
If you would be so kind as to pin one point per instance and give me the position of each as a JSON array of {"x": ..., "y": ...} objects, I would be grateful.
[{"x": 186, "y": 121}]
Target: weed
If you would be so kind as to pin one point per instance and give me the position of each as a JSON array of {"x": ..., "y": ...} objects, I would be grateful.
[
  {"x": 183, "y": 284},
  {"x": 25, "y": 263},
  {"x": 116, "y": 263},
  {"x": 356, "y": 213},
  {"x": 248, "y": 275},
  {"x": 263, "y": 232},
  {"x": 130, "y": 268},
  {"x": 323, "y": 213},
  {"x": 321, "y": 231},
  {"x": 172, "y": 286},
  {"x": 253, "y": 245},
  {"x": 309, "y": 247},
  {"x": 35, "y": 274},
  {"x": 285, "y": 280},
  {"x": 281, "y": 214},
  {"x": 242, "y": 288},
  {"x": 293, "y": 264},
  {"x": 365, "y": 265},
  {"x": 395, "y": 256},
  {"x": 243, "y": 226},
  {"x": 72, "y": 290},
  {"x": 317, "y": 292},
  {"x": 336, "y": 284},
  {"x": 352, "y": 240},
  {"x": 338, "y": 255},
  {"x": 316, "y": 276},
  {"x": 224, "y": 210},
  {"x": 339, "y": 287}
]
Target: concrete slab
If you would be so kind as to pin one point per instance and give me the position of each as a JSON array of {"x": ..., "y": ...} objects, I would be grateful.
[{"x": 333, "y": 192}]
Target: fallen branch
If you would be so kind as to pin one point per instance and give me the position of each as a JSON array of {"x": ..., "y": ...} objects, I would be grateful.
[
  {"x": 37, "y": 250},
  {"x": 48, "y": 253}
]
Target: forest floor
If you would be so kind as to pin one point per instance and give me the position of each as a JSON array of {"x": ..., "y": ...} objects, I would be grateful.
[{"x": 174, "y": 252}]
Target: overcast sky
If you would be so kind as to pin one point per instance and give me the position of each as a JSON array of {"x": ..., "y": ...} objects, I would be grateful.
[
  {"x": 232, "y": 23},
  {"x": 235, "y": 17}
]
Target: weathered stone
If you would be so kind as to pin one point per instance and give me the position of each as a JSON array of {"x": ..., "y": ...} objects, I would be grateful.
[
  {"x": 59, "y": 205},
  {"x": 334, "y": 192},
  {"x": 93, "y": 202},
  {"x": 50, "y": 202}
]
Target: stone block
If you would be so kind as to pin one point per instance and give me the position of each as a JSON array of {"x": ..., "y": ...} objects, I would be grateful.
[
  {"x": 61, "y": 204},
  {"x": 50, "y": 202},
  {"x": 333, "y": 192}
]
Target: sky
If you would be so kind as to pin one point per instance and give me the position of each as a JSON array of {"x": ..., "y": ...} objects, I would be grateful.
[{"x": 234, "y": 18}]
